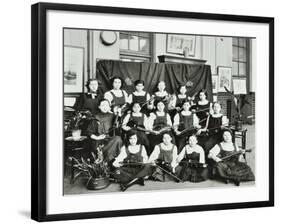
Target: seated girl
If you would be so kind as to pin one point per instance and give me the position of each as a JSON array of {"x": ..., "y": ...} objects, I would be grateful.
[
  {"x": 130, "y": 163},
  {"x": 177, "y": 100},
  {"x": 191, "y": 161},
  {"x": 217, "y": 122},
  {"x": 164, "y": 156},
  {"x": 137, "y": 121},
  {"x": 159, "y": 122},
  {"x": 226, "y": 156},
  {"x": 186, "y": 124},
  {"x": 140, "y": 96},
  {"x": 117, "y": 97},
  {"x": 162, "y": 95}
]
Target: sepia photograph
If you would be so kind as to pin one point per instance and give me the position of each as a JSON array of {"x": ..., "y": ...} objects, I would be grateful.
[{"x": 148, "y": 111}]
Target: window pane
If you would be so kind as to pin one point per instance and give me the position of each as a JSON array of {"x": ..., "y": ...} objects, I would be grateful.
[
  {"x": 242, "y": 69},
  {"x": 234, "y": 41},
  {"x": 124, "y": 42},
  {"x": 144, "y": 45},
  {"x": 242, "y": 54},
  {"x": 235, "y": 68},
  {"x": 134, "y": 43},
  {"x": 235, "y": 53},
  {"x": 242, "y": 42}
]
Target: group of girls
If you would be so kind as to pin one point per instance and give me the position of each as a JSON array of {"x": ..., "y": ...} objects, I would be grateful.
[{"x": 161, "y": 135}]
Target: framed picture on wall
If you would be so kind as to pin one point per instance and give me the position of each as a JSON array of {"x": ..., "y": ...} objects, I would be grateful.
[
  {"x": 118, "y": 175},
  {"x": 215, "y": 83},
  {"x": 224, "y": 75},
  {"x": 73, "y": 71},
  {"x": 181, "y": 44}
]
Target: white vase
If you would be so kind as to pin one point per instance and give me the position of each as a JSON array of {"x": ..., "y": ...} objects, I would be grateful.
[{"x": 76, "y": 134}]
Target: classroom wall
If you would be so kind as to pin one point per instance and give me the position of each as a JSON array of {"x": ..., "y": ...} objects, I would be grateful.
[{"x": 216, "y": 50}]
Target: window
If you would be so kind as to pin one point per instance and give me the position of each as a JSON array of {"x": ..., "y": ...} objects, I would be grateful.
[
  {"x": 135, "y": 46},
  {"x": 240, "y": 57}
]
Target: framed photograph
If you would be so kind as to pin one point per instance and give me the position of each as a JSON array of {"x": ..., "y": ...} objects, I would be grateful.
[
  {"x": 73, "y": 73},
  {"x": 224, "y": 74},
  {"x": 181, "y": 44},
  {"x": 215, "y": 83},
  {"x": 109, "y": 149}
]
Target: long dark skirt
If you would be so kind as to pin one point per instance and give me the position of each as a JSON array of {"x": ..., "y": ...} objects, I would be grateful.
[
  {"x": 234, "y": 170},
  {"x": 192, "y": 173},
  {"x": 128, "y": 173}
]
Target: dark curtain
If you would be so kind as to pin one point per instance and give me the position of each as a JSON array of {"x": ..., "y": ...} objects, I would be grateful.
[
  {"x": 152, "y": 73},
  {"x": 198, "y": 75}
]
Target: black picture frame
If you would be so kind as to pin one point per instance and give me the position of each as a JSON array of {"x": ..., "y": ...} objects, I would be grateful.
[{"x": 39, "y": 108}]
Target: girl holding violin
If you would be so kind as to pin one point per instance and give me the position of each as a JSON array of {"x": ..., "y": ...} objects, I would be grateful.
[
  {"x": 137, "y": 121},
  {"x": 140, "y": 96},
  {"x": 217, "y": 122},
  {"x": 186, "y": 124},
  {"x": 117, "y": 97},
  {"x": 159, "y": 121},
  {"x": 130, "y": 163},
  {"x": 226, "y": 158}
]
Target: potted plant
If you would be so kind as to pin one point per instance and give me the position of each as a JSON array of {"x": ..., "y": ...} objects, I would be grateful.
[
  {"x": 76, "y": 123},
  {"x": 239, "y": 102},
  {"x": 95, "y": 170}
]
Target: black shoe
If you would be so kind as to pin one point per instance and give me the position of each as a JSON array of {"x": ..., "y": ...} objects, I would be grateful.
[
  {"x": 141, "y": 181},
  {"x": 237, "y": 182},
  {"x": 226, "y": 181}
]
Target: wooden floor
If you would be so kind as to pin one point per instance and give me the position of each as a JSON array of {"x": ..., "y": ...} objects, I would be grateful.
[{"x": 79, "y": 188}]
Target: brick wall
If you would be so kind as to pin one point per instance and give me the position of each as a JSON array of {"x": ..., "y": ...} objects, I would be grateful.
[{"x": 248, "y": 109}]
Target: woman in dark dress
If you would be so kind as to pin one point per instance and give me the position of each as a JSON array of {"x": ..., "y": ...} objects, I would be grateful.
[
  {"x": 230, "y": 169},
  {"x": 191, "y": 161},
  {"x": 101, "y": 132},
  {"x": 89, "y": 101},
  {"x": 130, "y": 163}
]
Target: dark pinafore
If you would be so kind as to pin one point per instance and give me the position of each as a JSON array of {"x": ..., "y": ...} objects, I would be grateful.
[
  {"x": 130, "y": 172},
  {"x": 142, "y": 101},
  {"x": 186, "y": 122},
  {"x": 118, "y": 101},
  {"x": 191, "y": 170},
  {"x": 159, "y": 123},
  {"x": 178, "y": 104},
  {"x": 164, "y": 161},
  {"x": 142, "y": 137},
  {"x": 139, "y": 99},
  {"x": 203, "y": 113},
  {"x": 214, "y": 133},
  {"x": 179, "y": 101},
  {"x": 232, "y": 168}
]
